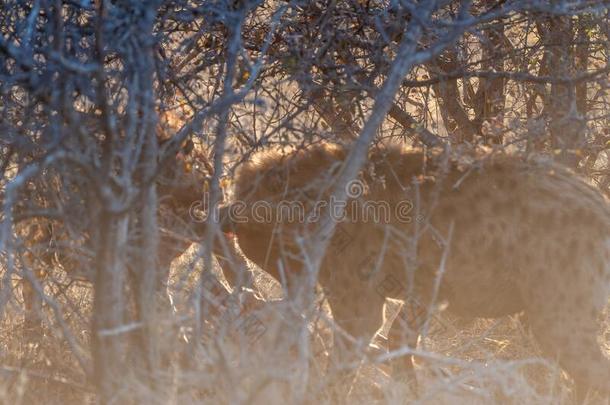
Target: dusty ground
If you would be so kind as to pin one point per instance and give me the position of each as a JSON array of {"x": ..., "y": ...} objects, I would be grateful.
[{"x": 272, "y": 355}]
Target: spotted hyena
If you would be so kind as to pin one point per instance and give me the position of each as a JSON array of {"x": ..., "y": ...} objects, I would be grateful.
[
  {"x": 47, "y": 243},
  {"x": 493, "y": 237}
]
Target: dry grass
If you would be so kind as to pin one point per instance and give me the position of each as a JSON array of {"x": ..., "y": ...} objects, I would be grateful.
[{"x": 272, "y": 355}]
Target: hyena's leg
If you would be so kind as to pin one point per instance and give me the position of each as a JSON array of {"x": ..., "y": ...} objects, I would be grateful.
[
  {"x": 34, "y": 266},
  {"x": 359, "y": 313},
  {"x": 233, "y": 264},
  {"x": 32, "y": 326},
  {"x": 404, "y": 332},
  {"x": 33, "y": 263},
  {"x": 563, "y": 314}
]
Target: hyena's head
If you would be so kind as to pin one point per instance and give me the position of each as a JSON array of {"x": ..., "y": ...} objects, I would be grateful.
[
  {"x": 185, "y": 174},
  {"x": 182, "y": 185}
]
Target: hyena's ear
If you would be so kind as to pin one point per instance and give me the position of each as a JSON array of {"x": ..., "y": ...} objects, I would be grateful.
[
  {"x": 183, "y": 155},
  {"x": 187, "y": 147},
  {"x": 164, "y": 144}
]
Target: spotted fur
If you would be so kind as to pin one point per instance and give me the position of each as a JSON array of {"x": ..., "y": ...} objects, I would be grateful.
[{"x": 515, "y": 235}]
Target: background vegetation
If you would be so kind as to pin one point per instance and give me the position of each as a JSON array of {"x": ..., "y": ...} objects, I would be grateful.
[{"x": 97, "y": 98}]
